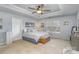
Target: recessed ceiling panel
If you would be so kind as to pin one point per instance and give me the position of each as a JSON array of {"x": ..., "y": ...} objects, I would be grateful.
[{"x": 51, "y": 7}]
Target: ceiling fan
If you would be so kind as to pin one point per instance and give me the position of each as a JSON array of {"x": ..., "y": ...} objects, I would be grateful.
[{"x": 40, "y": 9}]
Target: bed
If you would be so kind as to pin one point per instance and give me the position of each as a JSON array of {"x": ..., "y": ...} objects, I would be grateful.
[{"x": 36, "y": 37}]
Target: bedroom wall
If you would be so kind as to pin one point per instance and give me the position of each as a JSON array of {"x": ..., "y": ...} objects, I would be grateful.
[
  {"x": 6, "y": 26},
  {"x": 65, "y": 30},
  {"x": 6, "y": 21}
]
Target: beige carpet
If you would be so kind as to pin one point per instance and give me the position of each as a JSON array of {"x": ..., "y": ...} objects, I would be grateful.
[{"x": 54, "y": 46}]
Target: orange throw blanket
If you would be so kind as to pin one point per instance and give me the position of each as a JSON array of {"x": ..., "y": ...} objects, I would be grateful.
[{"x": 44, "y": 40}]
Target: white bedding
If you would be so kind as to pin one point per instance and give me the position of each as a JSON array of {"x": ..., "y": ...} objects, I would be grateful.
[{"x": 35, "y": 35}]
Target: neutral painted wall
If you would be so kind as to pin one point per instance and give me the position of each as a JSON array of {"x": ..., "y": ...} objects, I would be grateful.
[
  {"x": 6, "y": 21},
  {"x": 65, "y": 30},
  {"x": 6, "y": 26}
]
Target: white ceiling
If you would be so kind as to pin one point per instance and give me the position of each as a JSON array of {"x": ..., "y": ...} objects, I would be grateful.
[{"x": 56, "y": 9}]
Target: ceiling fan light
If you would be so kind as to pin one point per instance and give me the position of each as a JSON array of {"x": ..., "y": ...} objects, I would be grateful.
[{"x": 39, "y": 11}]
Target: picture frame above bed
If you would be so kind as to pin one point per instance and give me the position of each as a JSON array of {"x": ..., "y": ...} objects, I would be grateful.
[
  {"x": 29, "y": 27},
  {"x": 29, "y": 24}
]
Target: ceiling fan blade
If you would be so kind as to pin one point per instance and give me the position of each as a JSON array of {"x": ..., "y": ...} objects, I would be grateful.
[
  {"x": 40, "y": 6},
  {"x": 31, "y": 8},
  {"x": 46, "y": 10},
  {"x": 33, "y": 12}
]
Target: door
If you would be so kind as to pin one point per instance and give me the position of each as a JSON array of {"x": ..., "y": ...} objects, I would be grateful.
[{"x": 16, "y": 28}]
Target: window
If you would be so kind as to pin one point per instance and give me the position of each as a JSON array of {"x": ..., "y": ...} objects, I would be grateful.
[{"x": 53, "y": 26}]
